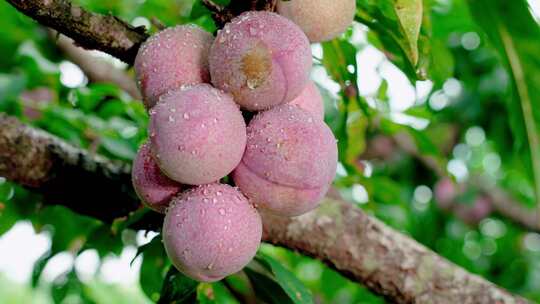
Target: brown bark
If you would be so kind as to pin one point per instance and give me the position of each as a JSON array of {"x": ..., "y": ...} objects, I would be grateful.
[
  {"x": 387, "y": 262},
  {"x": 106, "y": 33},
  {"x": 358, "y": 246},
  {"x": 59, "y": 171}
]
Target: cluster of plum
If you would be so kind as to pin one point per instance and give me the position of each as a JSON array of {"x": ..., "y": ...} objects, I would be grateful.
[{"x": 283, "y": 162}]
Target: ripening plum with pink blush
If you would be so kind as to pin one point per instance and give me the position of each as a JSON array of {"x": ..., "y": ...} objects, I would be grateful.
[
  {"x": 321, "y": 20},
  {"x": 289, "y": 163},
  {"x": 153, "y": 188},
  {"x": 310, "y": 100},
  {"x": 197, "y": 134},
  {"x": 211, "y": 231},
  {"x": 262, "y": 59},
  {"x": 171, "y": 58}
]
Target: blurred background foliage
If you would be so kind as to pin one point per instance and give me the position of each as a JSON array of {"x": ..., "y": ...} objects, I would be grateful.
[{"x": 448, "y": 109}]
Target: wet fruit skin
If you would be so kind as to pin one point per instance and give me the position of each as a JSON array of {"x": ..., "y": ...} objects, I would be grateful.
[
  {"x": 153, "y": 188},
  {"x": 289, "y": 163},
  {"x": 171, "y": 58},
  {"x": 310, "y": 100},
  {"x": 211, "y": 231},
  {"x": 197, "y": 134},
  {"x": 262, "y": 59},
  {"x": 321, "y": 20}
]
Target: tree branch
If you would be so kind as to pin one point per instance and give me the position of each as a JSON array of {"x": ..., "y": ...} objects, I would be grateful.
[
  {"x": 213, "y": 7},
  {"x": 387, "y": 262},
  {"x": 358, "y": 246},
  {"x": 90, "y": 30},
  {"x": 38, "y": 160},
  {"x": 108, "y": 33}
]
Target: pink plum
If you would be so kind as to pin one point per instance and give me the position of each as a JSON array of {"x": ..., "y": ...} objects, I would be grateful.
[
  {"x": 311, "y": 101},
  {"x": 211, "y": 231},
  {"x": 153, "y": 188},
  {"x": 171, "y": 58},
  {"x": 289, "y": 163},
  {"x": 262, "y": 59},
  {"x": 198, "y": 134},
  {"x": 321, "y": 20}
]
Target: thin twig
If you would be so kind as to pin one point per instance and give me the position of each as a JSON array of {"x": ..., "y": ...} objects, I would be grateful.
[{"x": 213, "y": 7}]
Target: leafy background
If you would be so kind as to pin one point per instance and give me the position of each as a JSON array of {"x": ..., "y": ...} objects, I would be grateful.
[{"x": 461, "y": 90}]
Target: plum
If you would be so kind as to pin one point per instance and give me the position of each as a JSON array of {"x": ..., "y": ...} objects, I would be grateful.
[
  {"x": 171, "y": 58},
  {"x": 310, "y": 100},
  {"x": 197, "y": 134},
  {"x": 211, "y": 231},
  {"x": 262, "y": 59},
  {"x": 321, "y": 20},
  {"x": 289, "y": 163},
  {"x": 153, "y": 188}
]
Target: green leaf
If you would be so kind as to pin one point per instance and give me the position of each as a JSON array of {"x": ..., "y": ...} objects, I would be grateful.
[
  {"x": 153, "y": 268},
  {"x": 266, "y": 288},
  {"x": 409, "y": 14},
  {"x": 104, "y": 241},
  {"x": 119, "y": 147},
  {"x": 441, "y": 62},
  {"x": 29, "y": 49},
  {"x": 178, "y": 288},
  {"x": 10, "y": 87},
  {"x": 39, "y": 265},
  {"x": 69, "y": 230},
  {"x": 66, "y": 285},
  {"x": 214, "y": 293},
  {"x": 8, "y": 217},
  {"x": 143, "y": 248},
  {"x": 135, "y": 217},
  {"x": 349, "y": 126},
  {"x": 8, "y": 208},
  {"x": 205, "y": 294},
  {"x": 296, "y": 290},
  {"x": 400, "y": 28},
  {"x": 385, "y": 191},
  {"x": 356, "y": 129},
  {"x": 423, "y": 142},
  {"x": 515, "y": 34}
]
